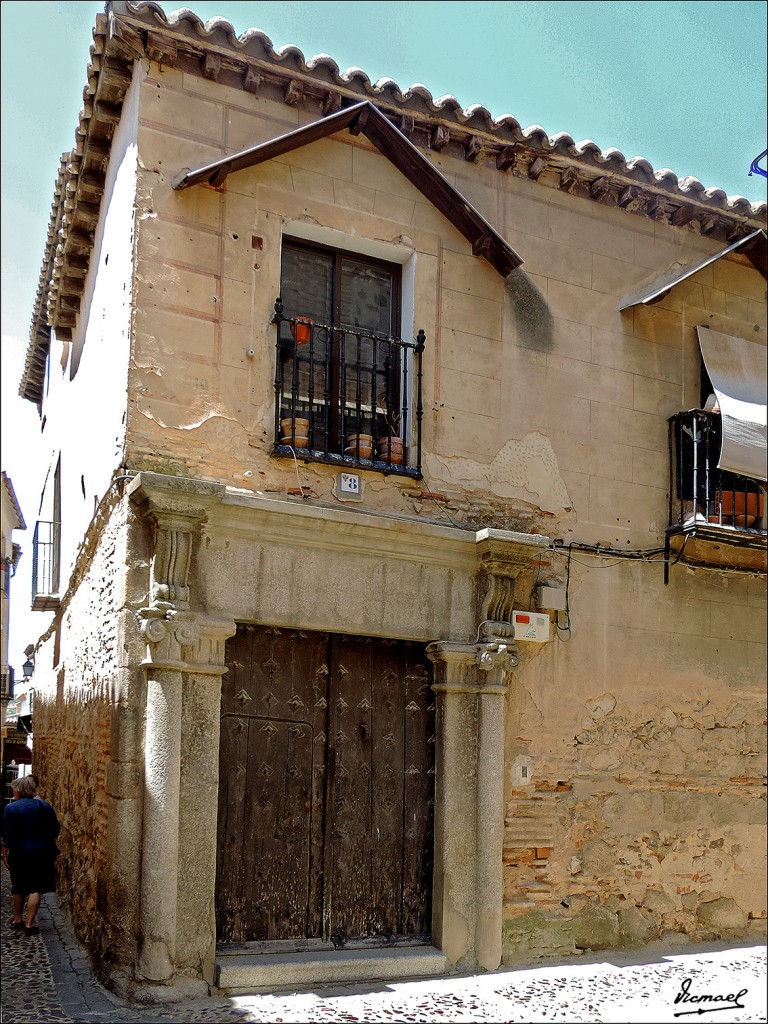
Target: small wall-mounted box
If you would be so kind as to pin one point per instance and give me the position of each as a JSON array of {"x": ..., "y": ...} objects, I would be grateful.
[
  {"x": 531, "y": 626},
  {"x": 551, "y": 599}
]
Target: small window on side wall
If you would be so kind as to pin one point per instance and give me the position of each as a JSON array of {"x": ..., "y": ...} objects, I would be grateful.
[{"x": 347, "y": 386}]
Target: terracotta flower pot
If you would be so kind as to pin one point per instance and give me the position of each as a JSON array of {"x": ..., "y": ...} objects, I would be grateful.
[
  {"x": 298, "y": 436},
  {"x": 739, "y": 508},
  {"x": 302, "y": 329},
  {"x": 392, "y": 450},
  {"x": 360, "y": 446}
]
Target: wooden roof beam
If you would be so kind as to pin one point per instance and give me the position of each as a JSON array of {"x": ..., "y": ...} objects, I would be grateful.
[{"x": 364, "y": 118}]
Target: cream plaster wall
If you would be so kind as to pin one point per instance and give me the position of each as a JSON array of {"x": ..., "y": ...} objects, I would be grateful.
[
  {"x": 538, "y": 391},
  {"x": 84, "y": 406}
]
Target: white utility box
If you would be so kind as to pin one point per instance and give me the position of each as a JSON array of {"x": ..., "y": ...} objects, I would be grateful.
[
  {"x": 531, "y": 626},
  {"x": 551, "y": 599}
]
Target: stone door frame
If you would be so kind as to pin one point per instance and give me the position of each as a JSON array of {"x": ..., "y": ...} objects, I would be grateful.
[{"x": 184, "y": 662}]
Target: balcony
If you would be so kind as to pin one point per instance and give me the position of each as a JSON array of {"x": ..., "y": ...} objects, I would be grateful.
[
  {"x": 347, "y": 397},
  {"x": 45, "y": 566},
  {"x": 718, "y": 517},
  {"x": 6, "y": 684}
]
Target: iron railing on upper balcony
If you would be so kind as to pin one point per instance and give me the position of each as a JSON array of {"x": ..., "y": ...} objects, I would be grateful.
[
  {"x": 706, "y": 501},
  {"x": 348, "y": 396},
  {"x": 6, "y": 684},
  {"x": 45, "y": 566}
]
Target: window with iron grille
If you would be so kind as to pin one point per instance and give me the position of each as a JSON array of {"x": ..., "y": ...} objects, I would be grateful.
[{"x": 347, "y": 386}]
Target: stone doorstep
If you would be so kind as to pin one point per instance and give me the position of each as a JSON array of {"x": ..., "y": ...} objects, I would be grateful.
[{"x": 241, "y": 973}]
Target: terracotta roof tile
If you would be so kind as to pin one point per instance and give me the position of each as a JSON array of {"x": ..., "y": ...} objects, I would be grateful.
[{"x": 735, "y": 214}]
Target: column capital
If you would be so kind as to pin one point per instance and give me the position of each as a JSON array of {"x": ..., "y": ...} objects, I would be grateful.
[
  {"x": 185, "y": 642},
  {"x": 473, "y": 668}
]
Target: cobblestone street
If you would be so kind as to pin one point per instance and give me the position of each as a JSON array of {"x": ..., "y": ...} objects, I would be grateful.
[{"x": 47, "y": 978}]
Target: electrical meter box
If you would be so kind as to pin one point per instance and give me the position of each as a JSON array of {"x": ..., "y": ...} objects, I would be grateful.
[{"x": 531, "y": 626}]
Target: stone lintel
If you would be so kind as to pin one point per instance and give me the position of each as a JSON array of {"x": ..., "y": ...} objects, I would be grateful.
[
  {"x": 510, "y": 548},
  {"x": 182, "y": 498}
]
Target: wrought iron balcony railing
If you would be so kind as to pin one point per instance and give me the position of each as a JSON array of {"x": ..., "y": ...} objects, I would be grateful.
[
  {"x": 347, "y": 396},
  {"x": 45, "y": 566},
  {"x": 705, "y": 501},
  {"x": 6, "y": 684}
]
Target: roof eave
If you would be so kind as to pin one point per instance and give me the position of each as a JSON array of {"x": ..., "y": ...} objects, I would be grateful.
[{"x": 752, "y": 246}]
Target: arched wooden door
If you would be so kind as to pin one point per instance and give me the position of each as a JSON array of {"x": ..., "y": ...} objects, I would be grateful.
[{"x": 326, "y": 785}]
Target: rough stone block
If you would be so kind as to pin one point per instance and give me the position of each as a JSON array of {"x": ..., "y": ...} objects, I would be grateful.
[
  {"x": 532, "y": 932},
  {"x": 595, "y": 927},
  {"x": 722, "y": 915},
  {"x": 658, "y": 902},
  {"x": 601, "y": 706},
  {"x": 636, "y": 926}
]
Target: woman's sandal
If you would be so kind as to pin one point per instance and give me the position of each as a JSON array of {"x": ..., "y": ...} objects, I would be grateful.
[
  {"x": 32, "y": 930},
  {"x": 16, "y": 925}
]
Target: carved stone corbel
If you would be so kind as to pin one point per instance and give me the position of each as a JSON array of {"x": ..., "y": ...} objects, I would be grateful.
[
  {"x": 175, "y": 507},
  {"x": 503, "y": 556}
]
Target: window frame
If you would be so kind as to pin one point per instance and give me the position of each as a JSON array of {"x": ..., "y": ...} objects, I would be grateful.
[{"x": 403, "y": 374}]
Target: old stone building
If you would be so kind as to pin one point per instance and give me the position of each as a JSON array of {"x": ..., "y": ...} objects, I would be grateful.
[
  {"x": 410, "y": 604},
  {"x": 10, "y": 552}
]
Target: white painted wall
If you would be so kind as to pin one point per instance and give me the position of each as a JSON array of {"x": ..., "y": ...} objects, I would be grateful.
[{"x": 85, "y": 404}]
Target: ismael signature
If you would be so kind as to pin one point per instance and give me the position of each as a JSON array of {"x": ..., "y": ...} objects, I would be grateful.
[{"x": 730, "y": 1002}]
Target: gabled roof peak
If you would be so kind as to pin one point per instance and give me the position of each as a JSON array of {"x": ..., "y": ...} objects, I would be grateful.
[{"x": 365, "y": 119}]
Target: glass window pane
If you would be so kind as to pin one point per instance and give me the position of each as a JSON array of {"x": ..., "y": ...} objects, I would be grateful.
[
  {"x": 366, "y": 296},
  {"x": 306, "y": 284},
  {"x": 306, "y": 288}
]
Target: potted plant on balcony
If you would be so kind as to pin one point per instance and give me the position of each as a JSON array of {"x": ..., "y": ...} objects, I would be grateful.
[
  {"x": 391, "y": 447},
  {"x": 359, "y": 446},
  {"x": 740, "y": 508},
  {"x": 301, "y": 329},
  {"x": 294, "y": 430}
]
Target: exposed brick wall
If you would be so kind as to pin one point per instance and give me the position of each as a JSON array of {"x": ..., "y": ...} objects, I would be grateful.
[
  {"x": 70, "y": 757},
  {"x": 72, "y": 728}
]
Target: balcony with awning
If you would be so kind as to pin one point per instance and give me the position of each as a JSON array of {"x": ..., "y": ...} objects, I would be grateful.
[{"x": 717, "y": 487}]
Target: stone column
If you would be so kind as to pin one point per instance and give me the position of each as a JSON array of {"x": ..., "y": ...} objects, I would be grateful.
[
  {"x": 198, "y": 798},
  {"x": 174, "y": 508},
  {"x": 491, "y": 709},
  {"x": 471, "y": 683},
  {"x": 162, "y": 760}
]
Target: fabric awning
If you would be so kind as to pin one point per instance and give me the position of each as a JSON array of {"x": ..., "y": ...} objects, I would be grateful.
[{"x": 738, "y": 371}]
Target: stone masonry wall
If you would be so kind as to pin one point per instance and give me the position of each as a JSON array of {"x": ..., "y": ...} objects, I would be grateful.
[
  {"x": 636, "y": 786},
  {"x": 70, "y": 757},
  {"x": 73, "y": 723}
]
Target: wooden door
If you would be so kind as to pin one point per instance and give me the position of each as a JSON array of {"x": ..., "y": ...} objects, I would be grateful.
[{"x": 326, "y": 788}]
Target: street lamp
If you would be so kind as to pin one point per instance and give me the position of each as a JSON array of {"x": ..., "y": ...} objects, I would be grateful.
[{"x": 28, "y": 668}]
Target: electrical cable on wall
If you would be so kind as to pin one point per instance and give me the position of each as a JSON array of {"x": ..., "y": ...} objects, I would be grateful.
[{"x": 565, "y": 629}]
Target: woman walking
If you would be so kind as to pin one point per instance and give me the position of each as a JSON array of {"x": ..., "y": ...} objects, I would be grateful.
[{"x": 28, "y": 834}]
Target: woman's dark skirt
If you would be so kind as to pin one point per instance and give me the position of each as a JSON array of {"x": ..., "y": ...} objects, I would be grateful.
[{"x": 32, "y": 872}]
